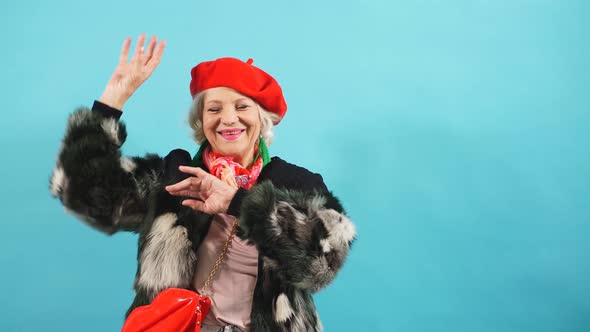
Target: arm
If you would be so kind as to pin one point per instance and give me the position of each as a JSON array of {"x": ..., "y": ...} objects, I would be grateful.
[
  {"x": 94, "y": 181},
  {"x": 296, "y": 223},
  {"x": 305, "y": 236},
  {"x": 91, "y": 178}
]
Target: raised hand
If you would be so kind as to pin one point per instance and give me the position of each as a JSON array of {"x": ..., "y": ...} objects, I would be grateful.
[
  {"x": 130, "y": 74},
  {"x": 212, "y": 195}
]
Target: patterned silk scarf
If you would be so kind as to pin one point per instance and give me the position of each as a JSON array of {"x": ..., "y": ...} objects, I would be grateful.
[{"x": 230, "y": 171}]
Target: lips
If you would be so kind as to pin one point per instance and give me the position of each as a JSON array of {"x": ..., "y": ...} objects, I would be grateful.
[{"x": 231, "y": 134}]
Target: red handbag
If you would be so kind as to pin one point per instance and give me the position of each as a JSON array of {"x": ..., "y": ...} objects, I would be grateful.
[
  {"x": 173, "y": 310},
  {"x": 176, "y": 309}
]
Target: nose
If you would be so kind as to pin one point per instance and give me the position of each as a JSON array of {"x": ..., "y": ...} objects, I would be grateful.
[{"x": 229, "y": 117}]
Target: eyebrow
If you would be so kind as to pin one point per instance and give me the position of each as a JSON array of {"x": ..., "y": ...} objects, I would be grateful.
[
  {"x": 213, "y": 101},
  {"x": 219, "y": 101}
]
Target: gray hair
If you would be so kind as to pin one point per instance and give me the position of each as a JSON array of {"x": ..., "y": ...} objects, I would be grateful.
[{"x": 195, "y": 120}]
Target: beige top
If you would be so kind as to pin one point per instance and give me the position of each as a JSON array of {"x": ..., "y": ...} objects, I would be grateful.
[{"x": 232, "y": 289}]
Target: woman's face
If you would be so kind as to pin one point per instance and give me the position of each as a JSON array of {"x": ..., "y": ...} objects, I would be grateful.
[{"x": 231, "y": 123}]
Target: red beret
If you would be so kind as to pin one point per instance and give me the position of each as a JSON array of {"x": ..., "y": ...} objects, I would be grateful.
[{"x": 242, "y": 77}]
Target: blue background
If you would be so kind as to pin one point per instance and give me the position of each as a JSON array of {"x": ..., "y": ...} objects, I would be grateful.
[{"x": 455, "y": 133}]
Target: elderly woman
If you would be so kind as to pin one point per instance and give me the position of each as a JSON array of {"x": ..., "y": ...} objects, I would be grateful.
[{"x": 291, "y": 233}]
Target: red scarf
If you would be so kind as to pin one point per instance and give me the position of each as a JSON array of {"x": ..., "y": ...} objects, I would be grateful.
[{"x": 231, "y": 172}]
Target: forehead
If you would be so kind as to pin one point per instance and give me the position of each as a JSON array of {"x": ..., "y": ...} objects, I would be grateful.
[{"x": 223, "y": 94}]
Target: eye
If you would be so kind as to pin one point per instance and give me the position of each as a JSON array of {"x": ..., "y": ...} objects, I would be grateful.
[
  {"x": 214, "y": 109},
  {"x": 242, "y": 107}
]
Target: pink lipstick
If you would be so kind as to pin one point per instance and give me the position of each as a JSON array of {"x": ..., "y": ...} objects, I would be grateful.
[{"x": 231, "y": 134}]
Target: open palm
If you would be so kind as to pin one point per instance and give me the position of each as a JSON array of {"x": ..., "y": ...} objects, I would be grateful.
[{"x": 130, "y": 74}]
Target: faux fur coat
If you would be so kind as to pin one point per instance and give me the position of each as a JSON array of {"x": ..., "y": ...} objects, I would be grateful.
[{"x": 299, "y": 228}]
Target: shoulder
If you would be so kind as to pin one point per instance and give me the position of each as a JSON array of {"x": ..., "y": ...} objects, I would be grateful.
[
  {"x": 178, "y": 156},
  {"x": 290, "y": 176},
  {"x": 174, "y": 159}
]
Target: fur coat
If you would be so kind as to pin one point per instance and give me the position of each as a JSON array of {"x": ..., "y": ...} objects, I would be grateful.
[{"x": 299, "y": 228}]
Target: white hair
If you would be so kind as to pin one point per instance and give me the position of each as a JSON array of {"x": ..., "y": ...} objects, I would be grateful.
[{"x": 195, "y": 120}]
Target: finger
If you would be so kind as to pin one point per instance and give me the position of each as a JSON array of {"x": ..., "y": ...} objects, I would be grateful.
[
  {"x": 196, "y": 171},
  {"x": 150, "y": 48},
  {"x": 187, "y": 193},
  {"x": 138, "y": 48},
  {"x": 125, "y": 50},
  {"x": 191, "y": 183},
  {"x": 194, "y": 204},
  {"x": 200, "y": 195},
  {"x": 157, "y": 56},
  {"x": 184, "y": 184}
]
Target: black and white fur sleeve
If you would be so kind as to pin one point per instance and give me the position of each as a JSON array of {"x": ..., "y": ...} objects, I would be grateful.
[
  {"x": 298, "y": 226},
  {"x": 94, "y": 181}
]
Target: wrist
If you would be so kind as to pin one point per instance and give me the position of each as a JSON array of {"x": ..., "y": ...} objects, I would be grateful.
[{"x": 114, "y": 100}]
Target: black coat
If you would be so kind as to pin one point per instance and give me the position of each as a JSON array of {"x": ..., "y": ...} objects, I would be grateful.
[{"x": 299, "y": 228}]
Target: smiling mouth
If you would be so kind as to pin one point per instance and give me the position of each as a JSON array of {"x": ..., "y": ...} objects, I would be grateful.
[{"x": 231, "y": 134}]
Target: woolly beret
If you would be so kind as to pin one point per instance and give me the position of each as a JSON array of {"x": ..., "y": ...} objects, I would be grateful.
[{"x": 242, "y": 77}]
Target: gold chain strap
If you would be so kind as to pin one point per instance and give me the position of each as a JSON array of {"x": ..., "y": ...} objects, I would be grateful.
[{"x": 221, "y": 257}]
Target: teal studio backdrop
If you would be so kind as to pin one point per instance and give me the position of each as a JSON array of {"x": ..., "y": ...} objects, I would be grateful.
[{"x": 455, "y": 132}]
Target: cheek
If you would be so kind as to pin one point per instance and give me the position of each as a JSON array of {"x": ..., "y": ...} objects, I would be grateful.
[
  {"x": 253, "y": 121},
  {"x": 208, "y": 122},
  {"x": 209, "y": 128}
]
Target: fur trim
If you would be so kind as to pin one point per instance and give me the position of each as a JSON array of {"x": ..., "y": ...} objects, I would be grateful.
[
  {"x": 305, "y": 242},
  {"x": 58, "y": 181},
  {"x": 282, "y": 309},
  {"x": 307, "y": 320},
  {"x": 167, "y": 258},
  {"x": 110, "y": 191},
  {"x": 111, "y": 128},
  {"x": 341, "y": 230},
  {"x": 128, "y": 165}
]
